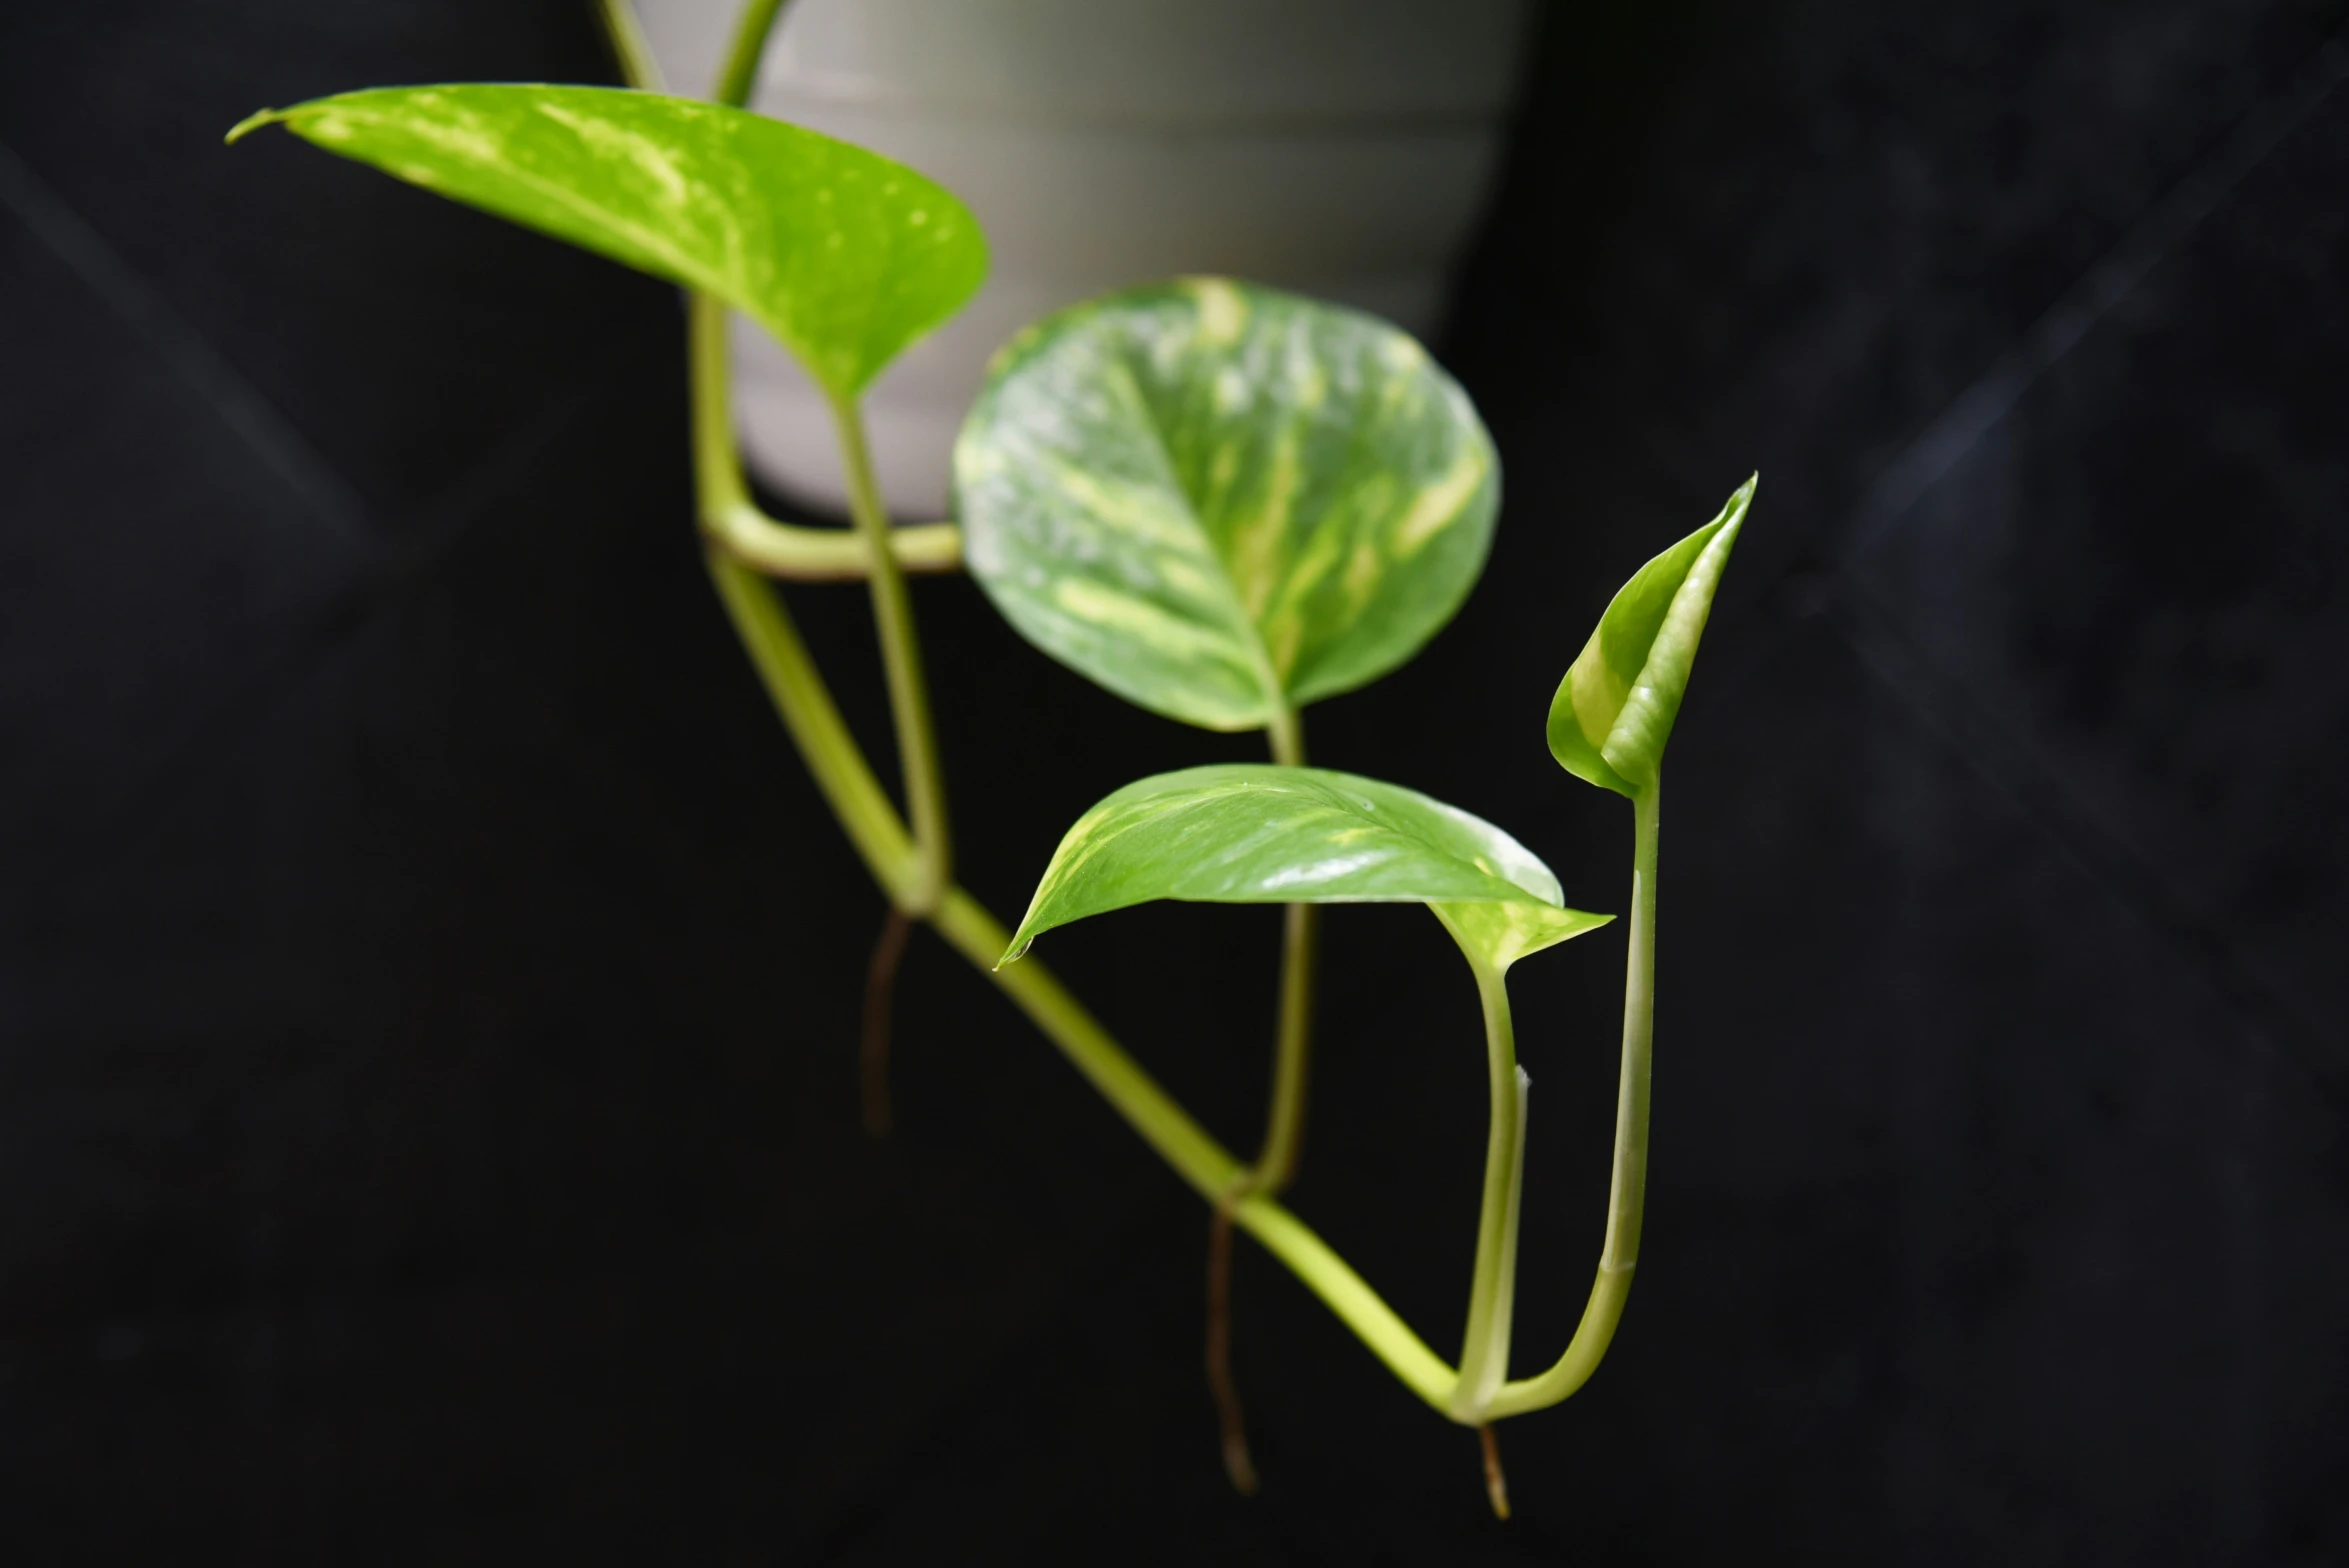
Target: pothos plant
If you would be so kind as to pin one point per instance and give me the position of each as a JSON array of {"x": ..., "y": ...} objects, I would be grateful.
[{"x": 1218, "y": 501}]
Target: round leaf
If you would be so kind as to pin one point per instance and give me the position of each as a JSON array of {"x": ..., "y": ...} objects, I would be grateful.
[
  {"x": 1256, "y": 833},
  {"x": 845, "y": 256},
  {"x": 1614, "y": 710},
  {"x": 1221, "y": 501}
]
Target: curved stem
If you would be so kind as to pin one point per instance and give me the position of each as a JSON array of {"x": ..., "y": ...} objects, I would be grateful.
[
  {"x": 827, "y": 555},
  {"x": 728, "y": 514},
  {"x": 1627, "y": 1191},
  {"x": 729, "y": 518},
  {"x": 732, "y": 521}
]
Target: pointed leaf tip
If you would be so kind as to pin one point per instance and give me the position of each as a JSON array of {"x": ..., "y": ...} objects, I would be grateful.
[
  {"x": 1260, "y": 833},
  {"x": 1614, "y": 710},
  {"x": 251, "y": 123},
  {"x": 843, "y": 255}
]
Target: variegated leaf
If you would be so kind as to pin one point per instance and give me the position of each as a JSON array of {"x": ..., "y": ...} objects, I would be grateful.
[
  {"x": 1221, "y": 501},
  {"x": 1256, "y": 833},
  {"x": 1614, "y": 710},
  {"x": 845, "y": 256}
]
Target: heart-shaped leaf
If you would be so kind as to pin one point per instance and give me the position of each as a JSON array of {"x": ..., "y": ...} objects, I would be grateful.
[
  {"x": 1257, "y": 833},
  {"x": 1614, "y": 710},
  {"x": 843, "y": 255},
  {"x": 1221, "y": 501}
]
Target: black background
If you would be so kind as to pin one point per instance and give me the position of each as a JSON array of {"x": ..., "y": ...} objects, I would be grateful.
[{"x": 427, "y": 1117}]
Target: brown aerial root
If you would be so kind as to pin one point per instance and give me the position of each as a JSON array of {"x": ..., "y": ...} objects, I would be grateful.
[
  {"x": 1496, "y": 1484},
  {"x": 1237, "y": 1462},
  {"x": 880, "y": 990}
]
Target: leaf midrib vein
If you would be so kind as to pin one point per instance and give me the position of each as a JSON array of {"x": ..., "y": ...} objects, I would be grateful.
[{"x": 1276, "y": 695}]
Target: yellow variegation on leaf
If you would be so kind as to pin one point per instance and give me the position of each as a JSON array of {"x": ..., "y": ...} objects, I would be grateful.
[
  {"x": 1221, "y": 501},
  {"x": 844, "y": 255},
  {"x": 1259, "y": 833},
  {"x": 1614, "y": 710}
]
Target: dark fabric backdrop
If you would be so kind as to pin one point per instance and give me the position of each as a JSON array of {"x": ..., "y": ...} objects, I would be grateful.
[{"x": 428, "y": 983}]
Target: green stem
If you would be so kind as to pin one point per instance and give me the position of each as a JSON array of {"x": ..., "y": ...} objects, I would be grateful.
[
  {"x": 873, "y": 826},
  {"x": 1286, "y": 733},
  {"x": 901, "y": 662},
  {"x": 1484, "y": 1350},
  {"x": 718, "y": 469},
  {"x": 782, "y": 661},
  {"x": 1284, "y": 1126},
  {"x": 729, "y": 518},
  {"x": 1627, "y": 1191},
  {"x": 1292, "y": 1061},
  {"x": 732, "y": 521},
  {"x": 807, "y": 709},
  {"x": 1284, "y": 1122},
  {"x": 738, "y": 76},
  {"x": 630, "y": 49}
]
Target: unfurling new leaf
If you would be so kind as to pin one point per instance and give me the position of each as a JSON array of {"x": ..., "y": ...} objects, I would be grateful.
[
  {"x": 844, "y": 255},
  {"x": 1614, "y": 710},
  {"x": 1256, "y": 833},
  {"x": 1221, "y": 501}
]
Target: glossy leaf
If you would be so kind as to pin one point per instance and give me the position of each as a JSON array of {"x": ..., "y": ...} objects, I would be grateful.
[
  {"x": 1614, "y": 710},
  {"x": 1256, "y": 833},
  {"x": 843, "y": 255},
  {"x": 1221, "y": 501}
]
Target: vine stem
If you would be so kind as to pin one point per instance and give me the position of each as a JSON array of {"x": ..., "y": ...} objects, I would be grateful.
[
  {"x": 1284, "y": 1122},
  {"x": 890, "y": 853},
  {"x": 1484, "y": 1348},
  {"x": 738, "y": 75},
  {"x": 901, "y": 656},
  {"x": 1284, "y": 1133},
  {"x": 730, "y": 519},
  {"x": 1627, "y": 1186},
  {"x": 733, "y": 522},
  {"x": 880, "y": 838},
  {"x": 631, "y": 50},
  {"x": 917, "y": 751},
  {"x": 901, "y": 664}
]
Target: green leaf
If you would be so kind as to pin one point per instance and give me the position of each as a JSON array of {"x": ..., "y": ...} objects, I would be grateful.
[
  {"x": 1256, "y": 833},
  {"x": 843, "y": 255},
  {"x": 1614, "y": 710},
  {"x": 1221, "y": 501}
]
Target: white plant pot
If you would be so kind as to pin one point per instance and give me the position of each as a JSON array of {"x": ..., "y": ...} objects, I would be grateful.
[{"x": 1341, "y": 148}]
